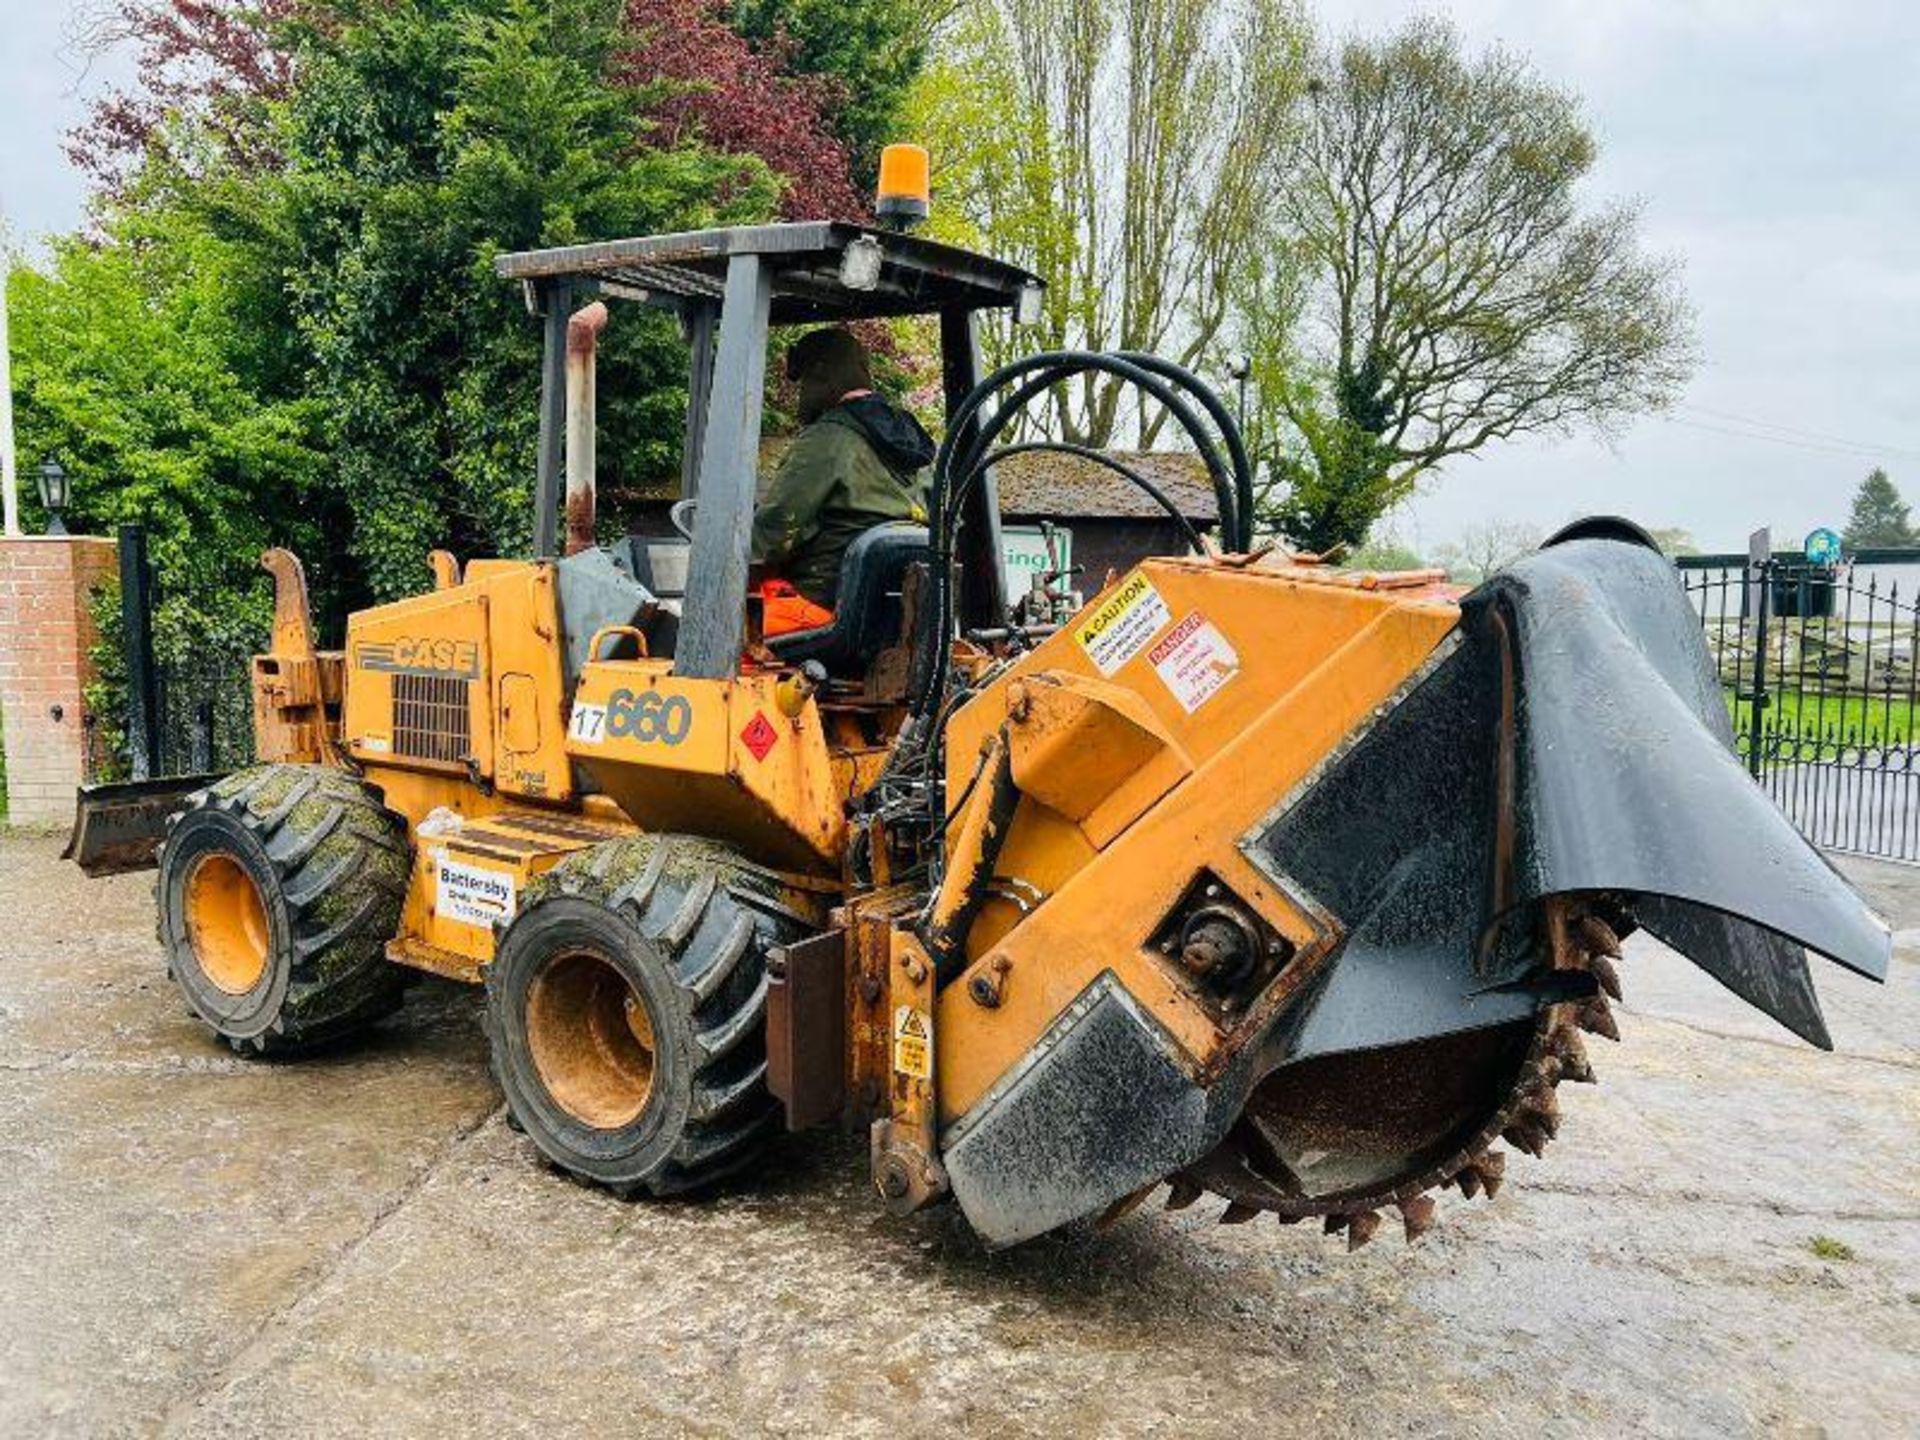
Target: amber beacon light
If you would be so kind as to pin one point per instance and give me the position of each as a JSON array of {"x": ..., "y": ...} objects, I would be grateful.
[{"x": 902, "y": 199}]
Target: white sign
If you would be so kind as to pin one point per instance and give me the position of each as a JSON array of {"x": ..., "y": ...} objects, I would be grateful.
[
  {"x": 1118, "y": 628},
  {"x": 1194, "y": 660},
  {"x": 472, "y": 896},
  {"x": 589, "y": 723},
  {"x": 1023, "y": 554}
]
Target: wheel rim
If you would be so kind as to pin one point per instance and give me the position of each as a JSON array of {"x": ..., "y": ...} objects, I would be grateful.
[
  {"x": 591, "y": 1038},
  {"x": 226, "y": 924}
]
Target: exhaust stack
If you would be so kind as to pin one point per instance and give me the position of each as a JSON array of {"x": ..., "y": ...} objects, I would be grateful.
[{"x": 583, "y": 343}]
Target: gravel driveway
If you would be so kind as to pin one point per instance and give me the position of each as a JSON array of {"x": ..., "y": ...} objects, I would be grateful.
[{"x": 1725, "y": 1239}]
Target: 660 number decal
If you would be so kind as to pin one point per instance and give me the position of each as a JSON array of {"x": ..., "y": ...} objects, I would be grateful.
[{"x": 649, "y": 717}]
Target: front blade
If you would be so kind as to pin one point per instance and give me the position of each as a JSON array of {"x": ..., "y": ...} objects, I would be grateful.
[{"x": 117, "y": 828}]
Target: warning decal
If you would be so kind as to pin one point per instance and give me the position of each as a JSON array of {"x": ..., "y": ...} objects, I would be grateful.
[
  {"x": 913, "y": 1042},
  {"x": 1119, "y": 627},
  {"x": 1195, "y": 660},
  {"x": 472, "y": 896},
  {"x": 759, "y": 736}
]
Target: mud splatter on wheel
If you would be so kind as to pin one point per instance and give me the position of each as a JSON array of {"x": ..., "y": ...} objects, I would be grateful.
[
  {"x": 627, "y": 1008},
  {"x": 278, "y": 890}
]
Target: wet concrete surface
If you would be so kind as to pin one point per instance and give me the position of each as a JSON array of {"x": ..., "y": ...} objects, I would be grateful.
[{"x": 356, "y": 1244}]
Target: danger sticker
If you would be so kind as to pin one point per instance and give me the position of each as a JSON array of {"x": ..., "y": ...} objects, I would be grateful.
[
  {"x": 472, "y": 896},
  {"x": 913, "y": 1042},
  {"x": 1195, "y": 660},
  {"x": 1119, "y": 627}
]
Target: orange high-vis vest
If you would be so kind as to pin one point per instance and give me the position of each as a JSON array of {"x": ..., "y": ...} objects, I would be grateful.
[{"x": 784, "y": 610}]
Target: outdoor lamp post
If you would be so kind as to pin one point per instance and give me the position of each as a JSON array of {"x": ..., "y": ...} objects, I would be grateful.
[
  {"x": 1238, "y": 369},
  {"x": 53, "y": 493}
]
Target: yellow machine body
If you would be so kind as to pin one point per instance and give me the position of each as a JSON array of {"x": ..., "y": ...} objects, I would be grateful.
[{"x": 1147, "y": 739}]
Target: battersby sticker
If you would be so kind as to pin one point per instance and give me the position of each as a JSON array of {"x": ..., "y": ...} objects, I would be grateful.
[
  {"x": 913, "y": 1042},
  {"x": 1195, "y": 660},
  {"x": 1119, "y": 627},
  {"x": 472, "y": 896}
]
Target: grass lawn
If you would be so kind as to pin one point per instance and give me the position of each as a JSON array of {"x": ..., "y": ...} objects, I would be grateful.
[{"x": 1809, "y": 713}]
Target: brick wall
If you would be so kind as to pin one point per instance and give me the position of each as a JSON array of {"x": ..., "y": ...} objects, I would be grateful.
[{"x": 46, "y": 632}]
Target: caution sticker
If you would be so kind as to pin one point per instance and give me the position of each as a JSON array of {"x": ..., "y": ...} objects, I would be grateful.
[
  {"x": 1195, "y": 660},
  {"x": 470, "y": 895},
  {"x": 913, "y": 1042},
  {"x": 1119, "y": 627}
]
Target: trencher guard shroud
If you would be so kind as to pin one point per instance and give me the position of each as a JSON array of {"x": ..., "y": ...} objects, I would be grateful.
[{"x": 1555, "y": 772}]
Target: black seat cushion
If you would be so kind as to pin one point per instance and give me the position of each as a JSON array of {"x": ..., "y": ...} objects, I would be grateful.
[{"x": 866, "y": 619}]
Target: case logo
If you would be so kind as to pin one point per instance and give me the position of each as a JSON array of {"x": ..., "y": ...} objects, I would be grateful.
[{"x": 459, "y": 659}]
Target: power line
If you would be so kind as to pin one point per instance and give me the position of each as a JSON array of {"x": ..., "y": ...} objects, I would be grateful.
[
  {"x": 1854, "y": 449},
  {"x": 1797, "y": 434}
]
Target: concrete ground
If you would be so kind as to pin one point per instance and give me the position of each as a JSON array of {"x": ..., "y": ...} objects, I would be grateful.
[{"x": 1724, "y": 1240}]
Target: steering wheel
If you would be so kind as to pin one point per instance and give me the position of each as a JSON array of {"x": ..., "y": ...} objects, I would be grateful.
[{"x": 680, "y": 516}]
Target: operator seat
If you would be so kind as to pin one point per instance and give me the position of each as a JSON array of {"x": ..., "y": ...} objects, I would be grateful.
[{"x": 867, "y": 612}]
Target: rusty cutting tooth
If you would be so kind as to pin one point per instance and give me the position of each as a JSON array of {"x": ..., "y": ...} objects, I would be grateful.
[
  {"x": 1237, "y": 1213},
  {"x": 1360, "y": 1229},
  {"x": 1524, "y": 1137},
  {"x": 1418, "y": 1214},
  {"x": 1182, "y": 1192},
  {"x": 1598, "y": 936},
  {"x": 1469, "y": 1181},
  {"x": 1597, "y": 1017},
  {"x": 1573, "y": 1056},
  {"x": 1608, "y": 974},
  {"x": 1544, "y": 1110},
  {"x": 1492, "y": 1166}
]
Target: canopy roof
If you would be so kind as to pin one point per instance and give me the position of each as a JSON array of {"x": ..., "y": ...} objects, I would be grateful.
[{"x": 804, "y": 262}]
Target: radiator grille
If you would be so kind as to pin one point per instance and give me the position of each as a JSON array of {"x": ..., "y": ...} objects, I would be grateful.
[{"x": 431, "y": 719}]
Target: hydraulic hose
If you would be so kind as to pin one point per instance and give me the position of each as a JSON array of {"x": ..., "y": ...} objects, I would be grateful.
[
  {"x": 1098, "y": 457},
  {"x": 1052, "y": 367}
]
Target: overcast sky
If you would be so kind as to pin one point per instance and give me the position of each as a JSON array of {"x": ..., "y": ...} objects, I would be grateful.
[{"x": 1772, "y": 147}]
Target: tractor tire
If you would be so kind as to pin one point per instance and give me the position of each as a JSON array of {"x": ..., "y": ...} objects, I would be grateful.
[
  {"x": 627, "y": 1010},
  {"x": 279, "y": 888}
]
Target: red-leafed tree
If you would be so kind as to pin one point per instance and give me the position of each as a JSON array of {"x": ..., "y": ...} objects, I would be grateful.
[
  {"x": 215, "y": 59},
  {"x": 219, "y": 60},
  {"x": 717, "y": 86}
]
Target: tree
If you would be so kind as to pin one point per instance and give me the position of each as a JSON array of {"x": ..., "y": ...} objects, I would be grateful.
[
  {"x": 1383, "y": 554},
  {"x": 1130, "y": 154},
  {"x": 1673, "y": 540},
  {"x": 137, "y": 364},
  {"x": 1452, "y": 289},
  {"x": 705, "y": 82},
  {"x": 1879, "y": 517},
  {"x": 371, "y": 160},
  {"x": 422, "y": 139},
  {"x": 870, "y": 49},
  {"x": 1486, "y": 547}
]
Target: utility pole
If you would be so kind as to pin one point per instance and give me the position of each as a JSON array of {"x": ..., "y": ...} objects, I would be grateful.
[{"x": 9, "y": 480}]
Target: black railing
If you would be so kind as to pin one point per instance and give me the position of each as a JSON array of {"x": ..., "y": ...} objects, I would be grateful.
[
  {"x": 175, "y": 699},
  {"x": 1818, "y": 669}
]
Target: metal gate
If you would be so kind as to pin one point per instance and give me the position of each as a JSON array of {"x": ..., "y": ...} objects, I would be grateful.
[
  {"x": 182, "y": 705},
  {"x": 1818, "y": 668}
]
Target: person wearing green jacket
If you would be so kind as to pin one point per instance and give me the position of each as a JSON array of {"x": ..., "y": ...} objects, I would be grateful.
[{"x": 857, "y": 464}]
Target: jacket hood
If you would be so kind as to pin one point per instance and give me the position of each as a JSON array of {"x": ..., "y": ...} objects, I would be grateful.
[{"x": 901, "y": 442}]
